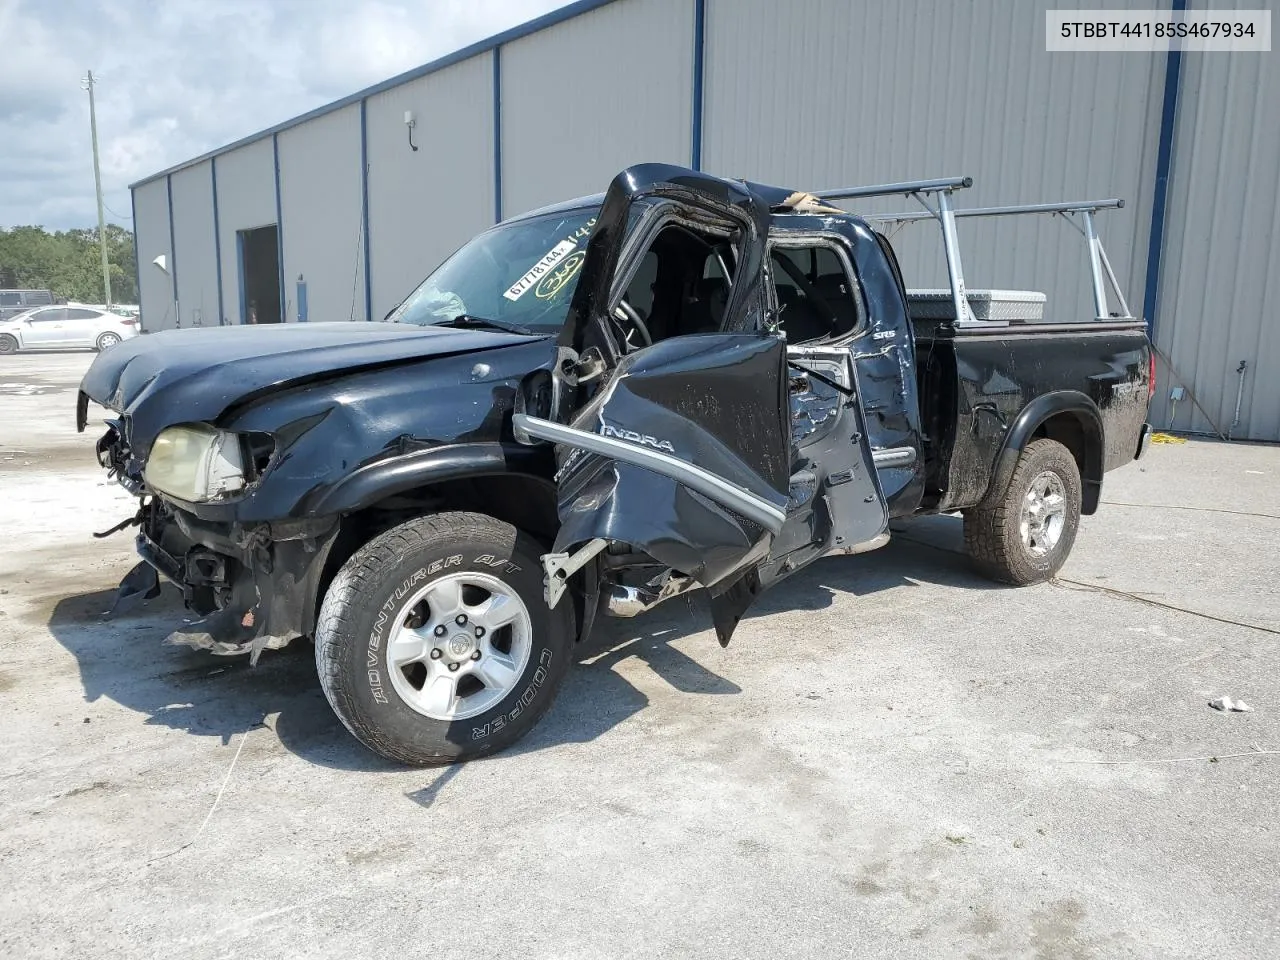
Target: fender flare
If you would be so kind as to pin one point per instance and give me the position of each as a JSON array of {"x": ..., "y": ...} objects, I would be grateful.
[
  {"x": 376, "y": 481},
  {"x": 1031, "y": 418}
]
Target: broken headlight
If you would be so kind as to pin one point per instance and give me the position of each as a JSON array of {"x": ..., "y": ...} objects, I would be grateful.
[{"x": 194, "y": 462}]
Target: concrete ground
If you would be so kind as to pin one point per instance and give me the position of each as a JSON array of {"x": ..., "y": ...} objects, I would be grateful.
[{"x": 894, "y": 758}]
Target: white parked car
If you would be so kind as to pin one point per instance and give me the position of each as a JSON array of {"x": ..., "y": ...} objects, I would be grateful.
[{"x": 65, "y": 327}]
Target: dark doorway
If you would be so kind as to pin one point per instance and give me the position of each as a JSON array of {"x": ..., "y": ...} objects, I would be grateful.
[{"x": 259, "y": 275}]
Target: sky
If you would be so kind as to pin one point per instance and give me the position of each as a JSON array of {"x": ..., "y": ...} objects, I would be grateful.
[{"x": 180, "y": 77}]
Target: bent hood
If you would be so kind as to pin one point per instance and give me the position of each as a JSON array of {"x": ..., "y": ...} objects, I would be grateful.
[{"x": 184, "y": 376}]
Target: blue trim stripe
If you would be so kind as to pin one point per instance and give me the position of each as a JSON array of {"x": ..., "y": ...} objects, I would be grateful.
[
  {"x": 1164, "y": 160},
  {"x": 497, "y": 134},
  {"x": 137, "y": 265},
  {"x": 275, "y": 152},
  {"x": 567, "y": 12},
  {"x": 173, "y": 249},
  {"x": 217, "y": 236},
  {"x": 699, "y": 59},
  {"x": 364, "y": 207}
]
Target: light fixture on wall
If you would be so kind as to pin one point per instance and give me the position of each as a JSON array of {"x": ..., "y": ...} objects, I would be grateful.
[{"x": 410, "y": 122}]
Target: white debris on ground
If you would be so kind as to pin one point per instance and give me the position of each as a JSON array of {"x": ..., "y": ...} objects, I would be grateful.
[{"x": 1227, "y": 705}]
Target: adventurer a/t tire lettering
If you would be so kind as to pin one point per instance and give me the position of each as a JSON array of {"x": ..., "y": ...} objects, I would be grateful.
[{"x": 376, "y": 589}]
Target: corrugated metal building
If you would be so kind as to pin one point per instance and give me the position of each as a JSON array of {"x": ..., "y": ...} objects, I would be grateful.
[{"x": 335, "y": 215}]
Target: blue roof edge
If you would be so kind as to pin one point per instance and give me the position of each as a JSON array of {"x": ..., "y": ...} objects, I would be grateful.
[{"x": 567, "y": 12}]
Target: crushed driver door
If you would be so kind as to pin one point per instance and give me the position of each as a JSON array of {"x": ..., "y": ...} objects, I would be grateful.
[{"x": 681, "y": 450}]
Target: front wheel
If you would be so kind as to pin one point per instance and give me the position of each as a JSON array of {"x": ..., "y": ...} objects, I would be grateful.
[
  {"x": 1025, "y": 534},
  {"x": 8, "y": 344},
  {"x": 434, "y": 643}
]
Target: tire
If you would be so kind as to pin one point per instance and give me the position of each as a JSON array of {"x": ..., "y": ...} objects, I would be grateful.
[
  {"x": 8, "y": 344},
  {"x": 1013, "y": 540},
  {"x": 398, "y": 711},
  {"x": 107, "y": 340}
]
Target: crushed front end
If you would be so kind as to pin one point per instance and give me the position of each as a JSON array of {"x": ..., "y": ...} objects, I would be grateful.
[{"x": 252, "y": 585}]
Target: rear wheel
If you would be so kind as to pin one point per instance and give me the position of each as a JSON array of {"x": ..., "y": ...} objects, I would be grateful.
[
  {"x": 8, "y": 344},
  {"x": 1025, "y": 534},
  {"x": 108, "y": 340},
  {"x": 435, "y": 644}
]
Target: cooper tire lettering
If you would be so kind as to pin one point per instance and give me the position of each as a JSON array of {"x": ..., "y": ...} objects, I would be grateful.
[
  {"x": 530, "y": 693},
  {"x": 358, "y": 620}
]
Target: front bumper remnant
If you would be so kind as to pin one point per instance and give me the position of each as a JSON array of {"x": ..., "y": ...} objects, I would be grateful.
[
  {"x": 252, "y": 588},
  {"x": 140, "y": 583}
]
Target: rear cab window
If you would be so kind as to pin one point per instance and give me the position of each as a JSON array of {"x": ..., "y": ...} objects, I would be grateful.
[{"x": 817, "y": 296}]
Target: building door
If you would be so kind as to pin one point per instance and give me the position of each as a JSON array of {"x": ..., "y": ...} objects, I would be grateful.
[{"x": 259, "y": 274}]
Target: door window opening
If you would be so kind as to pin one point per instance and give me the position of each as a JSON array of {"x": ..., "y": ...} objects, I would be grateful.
[{"x": 680, "y": 285}]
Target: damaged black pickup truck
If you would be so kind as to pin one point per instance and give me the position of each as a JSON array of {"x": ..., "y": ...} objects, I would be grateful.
[{"x": 690, "y": 383}]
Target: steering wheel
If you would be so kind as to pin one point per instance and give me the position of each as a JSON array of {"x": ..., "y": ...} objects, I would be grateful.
[{"x": 630, "y": 316}]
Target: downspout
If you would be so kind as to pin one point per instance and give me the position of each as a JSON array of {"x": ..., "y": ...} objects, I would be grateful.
[
  {"x": 497, "y": 134},
  {"x": 217, "y": 235},
  {"x": 275, "y": 154},
  {"x": 364, "y": 207},
  {"x": 173, "y": 255}
]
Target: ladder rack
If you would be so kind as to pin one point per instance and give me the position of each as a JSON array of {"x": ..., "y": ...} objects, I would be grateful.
[{"x": 945, "y": 214}]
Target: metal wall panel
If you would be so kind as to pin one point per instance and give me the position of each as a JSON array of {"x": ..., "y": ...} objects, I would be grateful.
[
  {"x": 585, "y": 98},
  {"x": 193, "y": 241},
  {"x": 424, "y": 204},
  {"x": 246, "y": 199},
  {"x": 868, "y": 92},
  {"x": 151, "y": 231},
  {"x": 1220, "y": 277},
  {"x": 321, "y": 211}
]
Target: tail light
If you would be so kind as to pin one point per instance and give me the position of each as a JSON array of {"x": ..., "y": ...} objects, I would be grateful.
[
  {"x": 128, "y": 321},
  {"x": 1151, "y": 380}
]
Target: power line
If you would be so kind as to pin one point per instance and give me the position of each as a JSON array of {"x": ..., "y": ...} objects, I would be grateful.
[{"x": 118, "y": 216}]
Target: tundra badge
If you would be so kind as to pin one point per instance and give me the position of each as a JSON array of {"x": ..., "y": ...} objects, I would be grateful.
[{"x": 631, "y": 436}]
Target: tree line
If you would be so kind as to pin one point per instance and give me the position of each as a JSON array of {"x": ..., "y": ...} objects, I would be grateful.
[{"x": 68, "y": 262}]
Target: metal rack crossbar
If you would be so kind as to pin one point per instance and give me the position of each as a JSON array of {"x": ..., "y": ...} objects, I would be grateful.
[
  {"x": 945, "y": 214},
  {"x": 907, "y": 188}
]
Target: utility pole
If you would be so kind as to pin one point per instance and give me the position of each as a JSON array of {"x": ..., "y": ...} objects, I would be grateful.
[{"x": 87, "y": 84}]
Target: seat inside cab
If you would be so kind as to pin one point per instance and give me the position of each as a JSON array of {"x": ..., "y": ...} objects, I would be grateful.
[
  {"x": 681, "y": 286},
  {"x": 815, "y": 296}
]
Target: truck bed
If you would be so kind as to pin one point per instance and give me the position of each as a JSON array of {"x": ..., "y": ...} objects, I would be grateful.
[{"x": 977, "y": 379}]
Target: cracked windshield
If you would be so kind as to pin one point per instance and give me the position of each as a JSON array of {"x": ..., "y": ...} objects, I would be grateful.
[{"x": 522, "y": 274}]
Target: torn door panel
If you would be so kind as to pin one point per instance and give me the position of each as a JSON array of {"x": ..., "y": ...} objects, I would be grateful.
[
  {"x": 680, "y": 528},
  {"x": 684, "y": 455},
  {"x": 715, "y": 400}
]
